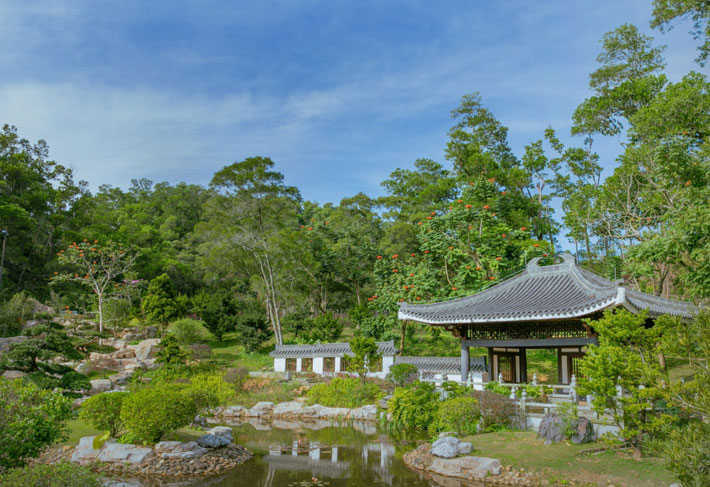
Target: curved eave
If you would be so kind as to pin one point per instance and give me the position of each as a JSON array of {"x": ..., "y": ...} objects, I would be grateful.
[{"x": 561, "y": 315}]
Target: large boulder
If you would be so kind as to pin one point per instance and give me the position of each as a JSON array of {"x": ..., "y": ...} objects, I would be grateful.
[
  {"x": 450, "y": 447},
  {"x": 364, "y": 413},
  {"x": 583, "y": 431},
  {"x": 471, "y": 468},
  {"x": 118, "y": 452},
  {"x": 124, "y": 353},
  {"x": 291, "y": 409},
  {"x": 213, "y": 441},
  {"x": 177, "y": 449},
  {"x": 85, "y": 452},
  {"x": 234, "y": 411},
  {"x": 38, "y": 307},
  {"x": 551, "y": 428},
  {"x": 147, "y": 349},
  {"x": 5, "y": 343},
  {"x": 223, "y": 431},
  {"x": 100, "y": 385},
  {"x": 261, "y": 409}
]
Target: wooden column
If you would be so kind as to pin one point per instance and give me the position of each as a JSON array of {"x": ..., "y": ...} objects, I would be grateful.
[
  {"x": 490, "y": 365},
  {"x": 465, "y": 360},
  {"x": 523, "y": 365}
]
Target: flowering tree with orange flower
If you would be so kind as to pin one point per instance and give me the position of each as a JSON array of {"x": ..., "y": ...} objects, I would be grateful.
[
  {"x": 463, "y": 249},
  {"x": 97, "y": 267}
]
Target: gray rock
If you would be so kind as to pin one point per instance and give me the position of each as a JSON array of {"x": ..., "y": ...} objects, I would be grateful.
[
  {"x": 222, "y": 431},
  {"x": 213, "y": 441},
  {"x": 84, "y": 452},
  {"x": 465, "y": 448},
  {"x": 6, "y": 343},
  {"x": 147, "y": 349},
  {"x": 168, "y": 447},
  {"x": 261, "y": 409},
  {"x": 384, "y": 402},
  {"x": 450, "y": 447},
  {"x": 100, "y": 385},
  {"x": 551, "y": 428},
  {"x": 82, "y": 368},
  {"x": 13, "y": 374},
  {"x": 234, "y": 411},
  {"x": 583, "y": 432},
  {"x": 199, "y": 422},
  {"x": 118, "y": 452},
  {"x": 288, "y": 409},
  {"x": 364, "y": 413},
  {"x": 475, "y": 468},
  {"x": 124, "y": 353}
]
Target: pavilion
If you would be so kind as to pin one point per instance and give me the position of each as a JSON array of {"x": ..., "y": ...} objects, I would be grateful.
[{"x": 542, "y": 307}]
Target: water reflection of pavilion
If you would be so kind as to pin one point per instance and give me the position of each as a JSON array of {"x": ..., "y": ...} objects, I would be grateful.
[
  {"x": 319, "y": 461},
  {"x": 386, "y": 453},
  {"x": 325, "y": 461}
]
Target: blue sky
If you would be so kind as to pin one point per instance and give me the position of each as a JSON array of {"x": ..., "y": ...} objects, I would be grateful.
[{"x": 337, "y": 93}]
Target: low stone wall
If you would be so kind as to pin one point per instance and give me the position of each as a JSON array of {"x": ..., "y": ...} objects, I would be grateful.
[{"x": 296, "y": 410}]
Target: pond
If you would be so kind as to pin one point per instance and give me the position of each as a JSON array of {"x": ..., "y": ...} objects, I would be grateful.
[{"x": 343, "y": 455}]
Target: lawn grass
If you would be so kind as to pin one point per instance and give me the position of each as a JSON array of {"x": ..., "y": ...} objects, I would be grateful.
[
  {"x": 77, "y": 430},
  {"x": 563, "y": 461}
]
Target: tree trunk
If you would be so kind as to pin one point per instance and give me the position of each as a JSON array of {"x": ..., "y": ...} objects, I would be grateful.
[{"x": 101, "y": 318}]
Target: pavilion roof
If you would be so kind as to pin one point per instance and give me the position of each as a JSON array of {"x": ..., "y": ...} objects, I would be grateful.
[
  {"x": 325, "y": 350},
  {"x": 554, "y": 292}
]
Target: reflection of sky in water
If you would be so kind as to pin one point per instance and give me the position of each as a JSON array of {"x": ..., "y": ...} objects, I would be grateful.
[{"x": 347, "y": 455}]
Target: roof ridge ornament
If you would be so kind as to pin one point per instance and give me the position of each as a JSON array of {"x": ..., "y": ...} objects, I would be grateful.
[{"x": 568, "y": 261}]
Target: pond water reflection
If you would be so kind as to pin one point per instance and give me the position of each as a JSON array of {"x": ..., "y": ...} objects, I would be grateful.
[{"x": 344, "y": 455}]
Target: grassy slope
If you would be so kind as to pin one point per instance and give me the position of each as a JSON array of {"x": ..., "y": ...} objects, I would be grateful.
[{"x": 563, "y": 460}]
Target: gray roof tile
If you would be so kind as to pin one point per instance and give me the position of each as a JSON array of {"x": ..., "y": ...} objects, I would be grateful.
[
  {"x": 542, "y": 293},
  {"x": 325, "y": 350}
]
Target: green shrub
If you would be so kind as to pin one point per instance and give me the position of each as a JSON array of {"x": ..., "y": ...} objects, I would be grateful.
[
  {"x": 415, "y": 407},
  {"x": 568, "y": 413},
  {"x": 170, "y": 353},
  {"x": 103, "y": 412},
  {"x": 454, "y": 390},
  {"x": 30, "y": 419},
  {"x": 151, "y": 412},
  {"x": 74, "y": 381},
  {"x": 459, "y": 414},
  {"x": 344, "y": 393},
  {"x": 402, "y": 375},
  {"x": 497, "y": 411},
  {"x": 212, "y": 384},
  {"x": 56, "y": 475},
  {"x": 187, "y": 331},
  {"x": 494, "y": 386}
]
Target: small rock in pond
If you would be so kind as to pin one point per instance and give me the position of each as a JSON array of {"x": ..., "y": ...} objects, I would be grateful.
[{"x": 213, "y": 441}]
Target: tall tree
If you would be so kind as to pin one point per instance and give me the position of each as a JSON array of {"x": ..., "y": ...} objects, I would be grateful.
[
  {"x": 245, "y": 218},
  {"x": 35, "y": 194}
]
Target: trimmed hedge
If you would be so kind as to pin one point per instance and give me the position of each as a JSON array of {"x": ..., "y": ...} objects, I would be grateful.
[{"x": 150, "y": 413}]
